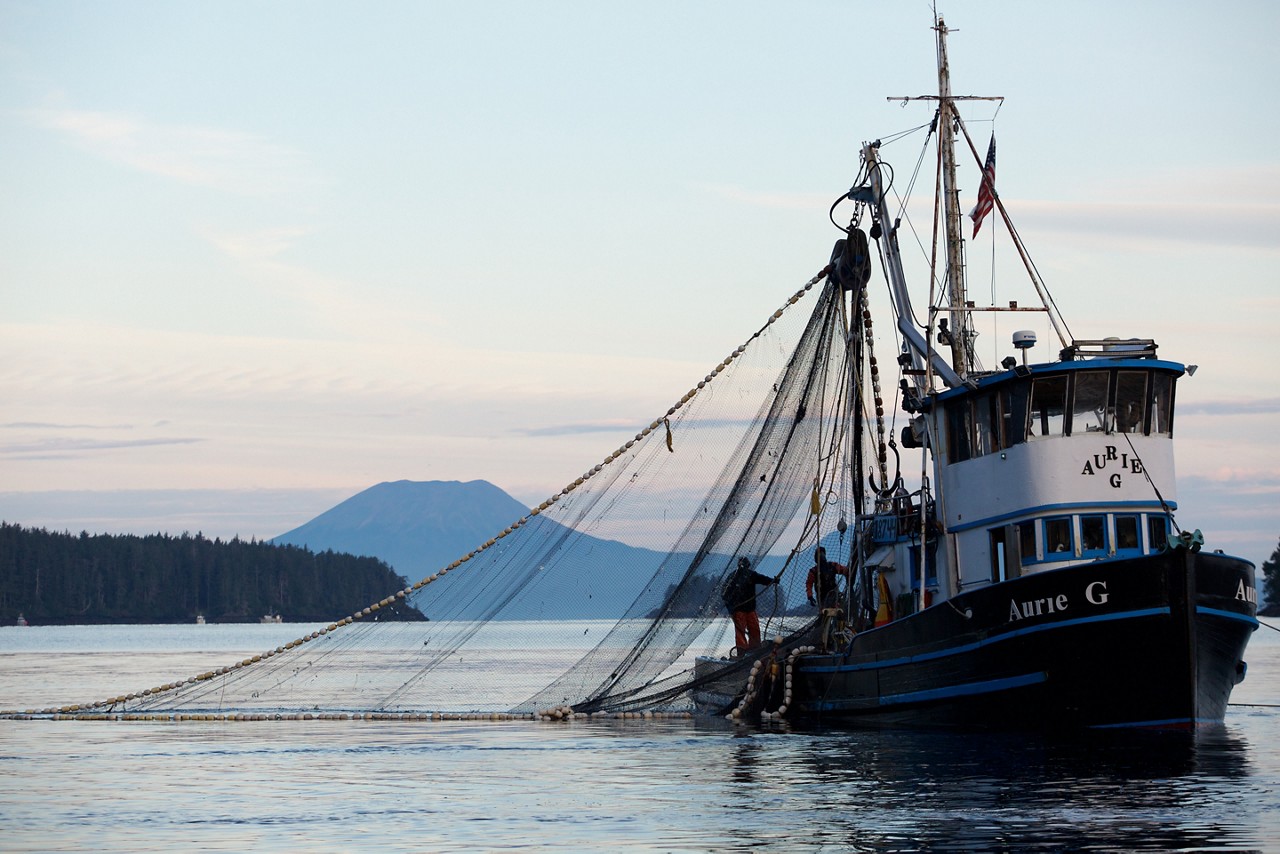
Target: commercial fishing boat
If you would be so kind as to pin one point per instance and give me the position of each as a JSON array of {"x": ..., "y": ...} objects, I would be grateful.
[
  {"x": 1037, "y": 578},
  {"x": 1008, "y": 534}
]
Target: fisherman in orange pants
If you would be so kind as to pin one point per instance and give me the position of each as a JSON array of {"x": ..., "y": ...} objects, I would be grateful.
[{"x": 740, "y": 598}]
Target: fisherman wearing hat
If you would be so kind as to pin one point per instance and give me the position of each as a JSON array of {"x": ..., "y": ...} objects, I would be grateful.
[{"x": 740, "y": 599}]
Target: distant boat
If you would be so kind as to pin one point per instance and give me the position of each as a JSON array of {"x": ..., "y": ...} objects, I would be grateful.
[
  {"x": 22, "y": 621},
  {"x": 199, "y": 619},
  {"x": 267, "y": 618}
]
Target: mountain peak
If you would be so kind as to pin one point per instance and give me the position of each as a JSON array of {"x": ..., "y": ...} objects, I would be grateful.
[{"x": 416, "y": 526}]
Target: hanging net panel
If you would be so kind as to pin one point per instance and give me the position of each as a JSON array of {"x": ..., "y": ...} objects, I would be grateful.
[{"x": 604, "y": 596}]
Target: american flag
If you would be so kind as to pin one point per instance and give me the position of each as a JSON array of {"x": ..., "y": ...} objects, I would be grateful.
[{"x": 986, "y": 194}]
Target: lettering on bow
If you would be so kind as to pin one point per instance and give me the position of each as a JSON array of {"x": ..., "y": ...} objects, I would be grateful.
[
  {"x": 1095, "y": 593},
  {"x": 1036, "y": 607}
]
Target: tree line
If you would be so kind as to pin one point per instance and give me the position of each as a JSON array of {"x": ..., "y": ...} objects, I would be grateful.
[
  {"x": 61, "y": 578},
  {"x": 1271, "y": 585}
]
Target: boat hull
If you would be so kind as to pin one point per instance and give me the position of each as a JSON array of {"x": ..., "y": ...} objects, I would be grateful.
[{"x": 1154, "y": 641}]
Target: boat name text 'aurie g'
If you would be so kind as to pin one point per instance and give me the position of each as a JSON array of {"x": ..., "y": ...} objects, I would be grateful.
[{"x": 1095, "y": 593}]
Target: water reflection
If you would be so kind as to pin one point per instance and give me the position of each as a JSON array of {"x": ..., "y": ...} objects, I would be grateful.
[
  {"x": 700, "y": 785},
  {"x": 654, "y": 785},
  {"x": 878, "y": 789}
]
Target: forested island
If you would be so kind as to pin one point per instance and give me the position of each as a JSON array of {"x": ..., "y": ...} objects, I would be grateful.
[{"x": 63, "y": 578}]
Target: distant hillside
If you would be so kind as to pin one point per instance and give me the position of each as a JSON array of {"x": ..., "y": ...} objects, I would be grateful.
[
  {"x": 416, "y": 526},
  {"x": 54, "y": 578},
  {"x": 419, "y": 527}
]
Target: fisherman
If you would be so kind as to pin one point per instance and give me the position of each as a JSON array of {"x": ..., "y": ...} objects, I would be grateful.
[
  {"x": 740, "y": 598},
  {"x": 821, "y": 585}
]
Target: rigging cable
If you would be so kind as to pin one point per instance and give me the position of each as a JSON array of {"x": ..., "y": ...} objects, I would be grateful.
[
  {"x": 1164, "y": 506},
  {"x": 1042, "y": 289},
  {"x": 892, "y": 138},
  {"x": 902, "y": 206}
]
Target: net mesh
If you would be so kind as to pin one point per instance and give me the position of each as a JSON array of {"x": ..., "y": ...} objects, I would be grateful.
[{"x": 605, "y": 596}]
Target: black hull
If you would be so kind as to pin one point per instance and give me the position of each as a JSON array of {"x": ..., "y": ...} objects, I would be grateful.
[{"x": 1155, "y": 641}]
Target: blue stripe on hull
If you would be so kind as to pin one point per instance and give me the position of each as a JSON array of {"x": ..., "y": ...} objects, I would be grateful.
[
  {"x": 1161, "y": 724},
  {"x": 1230, "y": 615},
  {"x": 968, "y": 690},
  {"x": 970, "y": 647}
]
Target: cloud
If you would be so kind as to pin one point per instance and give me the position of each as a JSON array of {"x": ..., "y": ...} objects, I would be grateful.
[
  {"x": 231, "y": 161},
  {"x": 256, "y": 246},
  {"x": 577, "y": 429},
  {"x": 63, "y": 447},
  {"x": 261, "y": 513},
  {"x": 1223, "y": 207},
  {"x": 1238, "y": 509},
  {"x": 41, "y": 425},
  {"x": 1236, "y": 208},
  {"x": 1241, "y": 480},
  {"x": 1259, "y": 406},
  {"x": 1239, "y": 224}
]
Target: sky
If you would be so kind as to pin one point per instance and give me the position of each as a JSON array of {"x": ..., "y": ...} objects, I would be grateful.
[{"x": 256, "y": 257}]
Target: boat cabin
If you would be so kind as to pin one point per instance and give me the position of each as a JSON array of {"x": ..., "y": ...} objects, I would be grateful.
[{"x": 1047, "y": 466}]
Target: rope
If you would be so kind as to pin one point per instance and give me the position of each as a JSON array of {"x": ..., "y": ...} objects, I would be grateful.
[
  {"x": 1167, "y": 512},
  {"x": 1042, "y": 289}
]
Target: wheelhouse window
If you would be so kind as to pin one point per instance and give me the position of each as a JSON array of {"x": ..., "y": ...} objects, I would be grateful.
[
  {"x": 1057, "y": 538},
  {"x": 1013, "y": 412},
  {"x": 959, "y": 432},
  {"x": 1157, "y": 533},
  {"x": 1127, "y": 535},
  {"x": 999, "y": 554},
  {"x": 1093, "y": 536},
  {"x": 1027, "y": 541},
  {"x": 986, "y": 425},
  {"x": 1099, "y": 535},
  {"x": 1089, "y": 403},
  {"x": 981, "y": 424},
  {"x": 1081, "y": 402},
  {"x": 1161, "y": 404},
  {"x": 1048, "y": 407},
  {"x": 1131, "y": 401}
]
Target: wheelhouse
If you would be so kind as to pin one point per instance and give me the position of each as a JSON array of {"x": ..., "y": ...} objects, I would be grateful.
[
  {"x": 1059, "y": 464},
  {"x": 1067, "y": 399}
]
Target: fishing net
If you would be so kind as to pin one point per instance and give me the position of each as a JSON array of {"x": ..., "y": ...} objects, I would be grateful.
[{"x": 603, "y": 597}]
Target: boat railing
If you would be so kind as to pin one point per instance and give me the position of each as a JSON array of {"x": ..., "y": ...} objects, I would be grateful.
[{"x": 1110, "y": 348}]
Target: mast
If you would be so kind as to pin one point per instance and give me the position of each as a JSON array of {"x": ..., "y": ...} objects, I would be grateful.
[
  {"x": 959, "y": 333},
  {"x": 961, "y": 359}
]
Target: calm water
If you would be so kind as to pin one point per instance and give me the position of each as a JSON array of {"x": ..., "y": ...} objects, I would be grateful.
[{"x": 662, "y": 786}]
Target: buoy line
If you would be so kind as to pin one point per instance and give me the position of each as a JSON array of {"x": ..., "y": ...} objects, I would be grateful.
[
  {"x": 751, "y": 691},
  {"x": 562, "y": 714}
]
